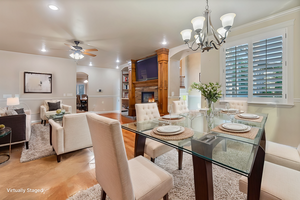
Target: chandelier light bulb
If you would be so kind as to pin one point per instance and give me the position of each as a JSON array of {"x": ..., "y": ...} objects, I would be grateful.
[
  {"x": 186, "y": 34},
  {"x": 198, "y": 23},
  {"x": 227, "y": 20},
  {"x": 222, "y": 32}
]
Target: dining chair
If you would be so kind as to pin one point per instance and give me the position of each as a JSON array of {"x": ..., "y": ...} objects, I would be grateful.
[
  {"x": 180, "y": 107},
  {"x": 241, "y": 105},
  {"x": 120, "y": 179},
  {"x": 283, "y": 155},
  {"x": 78, "y": 103},
  {"x": 147, "y": 112}
]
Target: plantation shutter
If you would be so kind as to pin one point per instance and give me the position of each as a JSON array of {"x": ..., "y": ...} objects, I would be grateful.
[
  {"x": 237, "y": 71},
  {"x": 267, "y": 68}
]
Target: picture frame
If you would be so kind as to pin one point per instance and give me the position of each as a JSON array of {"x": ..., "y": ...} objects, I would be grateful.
[{"x": 37, "y": 82}]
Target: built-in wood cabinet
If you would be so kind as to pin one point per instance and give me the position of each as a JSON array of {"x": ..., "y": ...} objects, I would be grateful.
[{"x": 125, "y": 89}]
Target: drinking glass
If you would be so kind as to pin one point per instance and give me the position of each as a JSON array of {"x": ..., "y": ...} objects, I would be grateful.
[{"x": 170, "y": 110}]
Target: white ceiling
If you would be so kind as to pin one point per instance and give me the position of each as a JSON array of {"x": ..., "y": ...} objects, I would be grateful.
[{"x": 123, "y": 29}]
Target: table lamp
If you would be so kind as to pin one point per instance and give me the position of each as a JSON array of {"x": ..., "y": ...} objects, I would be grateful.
[{"x": 12, "y": 101}]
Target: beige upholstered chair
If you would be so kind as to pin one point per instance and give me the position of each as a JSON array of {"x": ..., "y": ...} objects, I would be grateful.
[
  {"x": 45, "y": 109},
  {"x": 278, "y": 183},
  {"x": 146, "y": 112},
  {"x": 179, "y": 107},
  {"x": 136, "y": 179},
  {"x": 283, "y": 155},
  {"x": 241, "y": 105},
  {"x": 73, "y": 135}
]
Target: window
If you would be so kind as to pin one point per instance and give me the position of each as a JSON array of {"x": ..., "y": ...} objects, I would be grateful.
[{"x": 255, "y": 69}]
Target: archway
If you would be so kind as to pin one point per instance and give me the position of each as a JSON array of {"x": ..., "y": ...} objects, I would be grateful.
[{"x": 81, "y": 92}]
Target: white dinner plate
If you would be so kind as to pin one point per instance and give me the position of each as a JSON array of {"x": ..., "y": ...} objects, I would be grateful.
[
  {"x": 233, "y": 131},
  {"x": 234, "y": 126},
  {"x": 230, "y": 110},
  {"x": 248, "y": 116},
  {"x": 168, "y": 129},
  {"x": 172, "y": 133},
  {"x": 172, "y": 116}
]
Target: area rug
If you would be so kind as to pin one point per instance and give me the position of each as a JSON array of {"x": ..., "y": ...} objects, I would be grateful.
[
  {"x": 226, "y": 183},
  {"x": 39, "y": 145}
]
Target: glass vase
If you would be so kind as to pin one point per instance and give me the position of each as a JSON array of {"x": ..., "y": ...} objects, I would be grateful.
[{"x": 210, "y": 115}]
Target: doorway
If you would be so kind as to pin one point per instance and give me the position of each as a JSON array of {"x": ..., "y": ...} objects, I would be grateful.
[{"x": 81, "y": 92}]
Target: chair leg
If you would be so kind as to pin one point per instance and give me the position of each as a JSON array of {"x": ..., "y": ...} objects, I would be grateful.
[
  {"x": 180, "y": 156},
  {"x": 166, "y": 197},
  {"x": 103, "y": 194},
  {"x": 58, "y": 157},
  {"x": 26, "y": 144},
  {"x": 42, "y": 121},
  {"x": 153, "y": 160}
]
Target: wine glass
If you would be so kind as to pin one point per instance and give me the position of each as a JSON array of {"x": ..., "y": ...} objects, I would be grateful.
[
  {"x": 232, "y": 115},
  {"x": 170, "y": 110}
]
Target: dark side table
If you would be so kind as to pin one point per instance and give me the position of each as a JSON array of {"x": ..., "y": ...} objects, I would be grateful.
[{"x": 4, "y": 156}]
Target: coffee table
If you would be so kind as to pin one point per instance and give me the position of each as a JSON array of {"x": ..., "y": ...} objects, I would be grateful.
[
  {"x": 55, "y": 117},
  {"x": 4, "y": 132}
]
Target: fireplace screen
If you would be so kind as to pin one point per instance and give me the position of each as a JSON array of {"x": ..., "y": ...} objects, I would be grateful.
[{"x": 147, "y": 97}]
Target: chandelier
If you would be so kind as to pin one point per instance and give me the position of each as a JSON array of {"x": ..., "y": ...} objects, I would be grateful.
[
  {"x": 77, "y": 55},
  {"x": 201, "y": 27}
]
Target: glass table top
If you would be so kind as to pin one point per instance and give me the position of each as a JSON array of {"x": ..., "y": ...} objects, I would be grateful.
[
  {"x": 55, "y": 116},
  {"x": 229, "y": 151},
  {"x": 4, "y": 132}
]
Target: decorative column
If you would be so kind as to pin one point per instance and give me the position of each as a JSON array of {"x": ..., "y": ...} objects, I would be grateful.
[
  {"x": 131, "y": 79},
  {"x": 162, "y": 59}
]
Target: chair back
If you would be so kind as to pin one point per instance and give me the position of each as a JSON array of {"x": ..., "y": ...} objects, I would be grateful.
[
  {"x": 84, "y": 96},
  {"x": 78, "y": 99},
  {"x": 112, "y": 170},
  {"x": 76, "y": 132},
  {"x": 241, "y": 105},
  {"x": 146, "y": 112},
  {"x": 179, "y": 107}
]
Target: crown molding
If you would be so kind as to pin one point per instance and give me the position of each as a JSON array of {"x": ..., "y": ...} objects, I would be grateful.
[{"x": 269, "y": 18}]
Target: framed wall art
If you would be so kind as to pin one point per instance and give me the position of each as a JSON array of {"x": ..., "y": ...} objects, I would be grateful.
[{"x": 37, "y": 82}]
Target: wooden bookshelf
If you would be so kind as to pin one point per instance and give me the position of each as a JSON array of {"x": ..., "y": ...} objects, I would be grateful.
[{"x": 125, "y": 90}]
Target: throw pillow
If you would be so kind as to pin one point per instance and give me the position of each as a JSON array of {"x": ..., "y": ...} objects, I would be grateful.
[
  {"x": 20, "y": 111},
  {"x": 2, "y": 112},
  {"x": 54, "y": 106}
]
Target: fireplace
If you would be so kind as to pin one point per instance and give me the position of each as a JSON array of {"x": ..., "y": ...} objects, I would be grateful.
[{"x": 148, "y": 97}]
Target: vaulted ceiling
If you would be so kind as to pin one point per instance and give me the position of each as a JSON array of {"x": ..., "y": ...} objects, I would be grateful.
[{"x": 119, "y": 29}]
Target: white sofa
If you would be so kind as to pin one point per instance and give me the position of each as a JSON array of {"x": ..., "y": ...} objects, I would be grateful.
[
  {"x": 284, "y": 155},
  {"x": 44, "y": 109},
  {"x": 179, "y": 107},
  {"x": 72, "y": 136}
]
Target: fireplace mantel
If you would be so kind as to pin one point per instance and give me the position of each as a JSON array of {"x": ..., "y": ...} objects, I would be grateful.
[{"x": 148, "y": 83}]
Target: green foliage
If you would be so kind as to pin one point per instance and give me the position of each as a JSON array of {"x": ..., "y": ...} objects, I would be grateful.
[{"x": 210, "y": 91}]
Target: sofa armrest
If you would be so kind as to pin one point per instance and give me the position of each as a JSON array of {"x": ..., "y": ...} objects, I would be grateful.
[
  {"x": 57, "y": 137},
  {"x": 43, "y": 112},
  {"x": 298, "y": 148},
  {"x": 67, "y": 108},
  {"x": 28, "y": 124}
]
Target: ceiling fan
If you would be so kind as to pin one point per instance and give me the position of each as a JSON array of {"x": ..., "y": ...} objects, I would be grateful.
[{"x": 77, "y": 51}]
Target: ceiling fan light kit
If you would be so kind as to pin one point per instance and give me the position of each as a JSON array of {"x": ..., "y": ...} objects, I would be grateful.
[
  {"x": 201, "y": 26},
  {"x": 77, "y": 51}
]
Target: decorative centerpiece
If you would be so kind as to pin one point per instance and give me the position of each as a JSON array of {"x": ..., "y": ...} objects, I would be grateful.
[
  {"x": 2, "y": 126},
  {"x": 211, "y": 93},
  {"x": 60, "y": 112}
]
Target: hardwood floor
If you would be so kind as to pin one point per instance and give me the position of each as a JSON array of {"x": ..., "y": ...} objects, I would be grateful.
[{"x": 60, "y": 180}]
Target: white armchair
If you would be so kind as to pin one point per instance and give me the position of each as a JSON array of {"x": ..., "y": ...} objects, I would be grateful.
[
  {"x": 241, "y": 105},
  {"x": 146, "y": 112},
  {"x": 44, "y": 109},
  {"x": 73, "y": 135},
  {"x": 179, "y": 107}
]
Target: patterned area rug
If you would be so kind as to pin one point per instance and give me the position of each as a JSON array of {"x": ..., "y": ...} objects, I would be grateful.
[
  {"x": 39, "y": 146},
  {"x": 226, "y": 183}
]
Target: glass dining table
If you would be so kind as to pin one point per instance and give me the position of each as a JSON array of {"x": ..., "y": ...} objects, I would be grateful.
[{"x": 242, "y": 155}]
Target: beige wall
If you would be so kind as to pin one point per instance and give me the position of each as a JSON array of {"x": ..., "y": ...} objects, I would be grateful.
[
  {"x": 108, "y": 80},
  {"x": 13, "y": 65},
  {"x": 283, "y": 125}
]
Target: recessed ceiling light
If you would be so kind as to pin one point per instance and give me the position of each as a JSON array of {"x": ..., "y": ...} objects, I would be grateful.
[
  {"x": 53, "y": 7},
  {"x": 117, "y": 60},
  {"x": 117, "y": 67},
  {"x": 43, "y": 50},
  {"x": 164, "y": 42},
  {"x": 91, "y": 64}
]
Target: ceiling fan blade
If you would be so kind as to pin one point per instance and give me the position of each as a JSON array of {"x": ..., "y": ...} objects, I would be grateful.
[
  {"x": 89, "y": 54},
  {"x": 70, "y": 46},
  {"x": 90, "y": 50}
]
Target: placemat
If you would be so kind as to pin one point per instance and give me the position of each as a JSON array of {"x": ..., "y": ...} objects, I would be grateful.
[
  {"x": 172, "y": 120},
  {"x": 251, "y": 134},
  {"x": 187, "y": 133},
  {"x": 251, "y": 120}
]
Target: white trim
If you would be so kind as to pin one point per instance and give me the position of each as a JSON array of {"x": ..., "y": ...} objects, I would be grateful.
[
  {"x": 264, "y": 103},
  {"x": 173, "y": 97},
  {"x": 266, "y": 19},
  {"x": 102, "y": 96},
  {"x": 40, "y": 98},
  {"x": 297, "y": 100}
]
